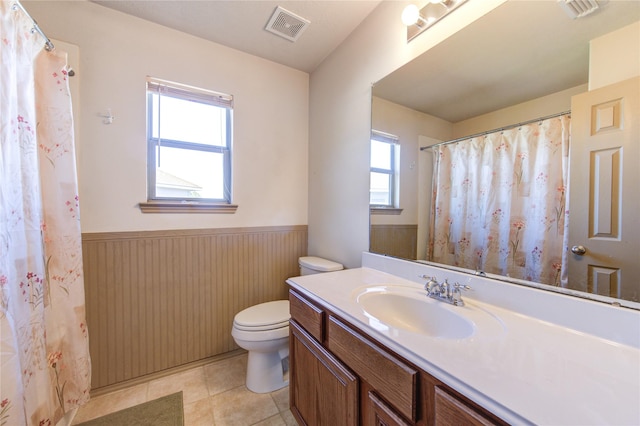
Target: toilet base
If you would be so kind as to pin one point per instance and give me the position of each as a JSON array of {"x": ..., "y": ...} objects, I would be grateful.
[{"x": 267, "y": 371}]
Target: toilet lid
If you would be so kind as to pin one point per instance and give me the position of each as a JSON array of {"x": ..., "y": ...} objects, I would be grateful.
[
  {"x": 319, "y": 264},
  {"x": 265, "y": 316}
]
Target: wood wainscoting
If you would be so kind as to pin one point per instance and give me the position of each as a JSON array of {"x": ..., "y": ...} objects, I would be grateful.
[
  {"x": 156, "y": 300},
  {"x": 394, "y": 240}
]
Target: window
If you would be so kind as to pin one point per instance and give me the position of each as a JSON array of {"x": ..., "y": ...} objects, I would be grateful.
[
  {"x": 188, "y": 146},
  {"x": 385, "y": 153}
]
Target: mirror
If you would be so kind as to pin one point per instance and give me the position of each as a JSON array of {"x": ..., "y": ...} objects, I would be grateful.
[{"x": 522, "y": 61}]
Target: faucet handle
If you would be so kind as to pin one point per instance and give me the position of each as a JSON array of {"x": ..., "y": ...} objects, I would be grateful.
[
  {"x": 429, "y": 279},
  {"x": 458, "y": 286},
  {"x": 456, "y": 294},
  {"x": 432, "y": 286}
]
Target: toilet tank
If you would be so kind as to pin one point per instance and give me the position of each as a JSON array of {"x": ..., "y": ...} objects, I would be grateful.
[{"x": 316, "y": 265}]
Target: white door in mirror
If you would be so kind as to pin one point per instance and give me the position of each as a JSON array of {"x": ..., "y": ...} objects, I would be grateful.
[{"x": 603, "y": 197}]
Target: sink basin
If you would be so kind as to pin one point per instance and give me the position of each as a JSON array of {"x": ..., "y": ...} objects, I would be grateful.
[
  {"x": 411, "y": 310},
  {"x": 394, "y": 307}
]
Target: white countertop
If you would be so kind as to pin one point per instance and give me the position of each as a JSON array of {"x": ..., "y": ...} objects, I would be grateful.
[{"x": 529, "y": 371}]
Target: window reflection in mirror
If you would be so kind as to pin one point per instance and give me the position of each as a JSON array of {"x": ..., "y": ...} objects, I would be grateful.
[{"x": 384, "y": 179}]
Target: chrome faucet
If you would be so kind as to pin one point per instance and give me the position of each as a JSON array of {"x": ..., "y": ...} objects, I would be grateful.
[{"x": 445, "y": 292}]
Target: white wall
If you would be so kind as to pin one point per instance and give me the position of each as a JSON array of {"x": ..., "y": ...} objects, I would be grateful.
[
  {"x": 340, "y": 119},
  {"x": 117, "y": 52},
  {"x": 614, "y": 57},
  {"x": 547, "y": 105}
]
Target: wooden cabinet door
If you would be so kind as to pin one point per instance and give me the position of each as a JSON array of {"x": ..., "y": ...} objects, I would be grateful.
[
  {"x": 389, "y": 376},
  {"x": 451, "y": 411},
  {"x": 322, "y": 390},
  {"x": 382, "y": 414}
]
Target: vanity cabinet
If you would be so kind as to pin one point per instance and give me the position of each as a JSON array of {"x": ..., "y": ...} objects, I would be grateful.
[
  {"x": 340, "y": 376},
  {"x": 323, "y": 388}
]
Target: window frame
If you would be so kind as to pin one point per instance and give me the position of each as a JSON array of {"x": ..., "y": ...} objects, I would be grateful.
[
  {"x": 392, "y": 173},
  {"x": 157, "y": 204}
]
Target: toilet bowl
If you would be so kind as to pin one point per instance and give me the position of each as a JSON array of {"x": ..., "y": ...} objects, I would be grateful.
[{"x": 263, "y": 331}]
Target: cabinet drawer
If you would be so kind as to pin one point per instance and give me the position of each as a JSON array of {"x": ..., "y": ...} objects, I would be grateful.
[
  {"x": 452, "y": 411},
  {"x": 391, "y": 378},
  {"x": 309, "y": 316},
  {"x": 382, "y": 414}
]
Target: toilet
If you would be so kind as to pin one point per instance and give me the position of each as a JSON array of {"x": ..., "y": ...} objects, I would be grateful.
[{"x": 263, "y": 331}]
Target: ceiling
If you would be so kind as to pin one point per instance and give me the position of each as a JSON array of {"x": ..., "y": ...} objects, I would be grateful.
[
  {"x": 505, "y": 58},
  {"x": 240, "y": 24},
  {"x": 520, "y": 51}
]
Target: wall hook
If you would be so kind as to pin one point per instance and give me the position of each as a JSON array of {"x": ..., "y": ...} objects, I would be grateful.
[{"x": 108, "y": 118}]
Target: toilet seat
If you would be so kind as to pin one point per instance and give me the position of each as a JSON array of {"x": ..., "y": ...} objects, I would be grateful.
[{"x": 263, "y": 317}]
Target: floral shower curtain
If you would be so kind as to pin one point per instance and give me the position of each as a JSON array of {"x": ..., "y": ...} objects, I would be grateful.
[
  {"x": 45, "y": 365},
  {"x": 500, "y": 202}
]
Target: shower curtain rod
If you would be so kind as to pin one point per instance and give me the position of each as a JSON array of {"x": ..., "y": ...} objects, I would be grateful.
[
  {"x": 48, "y": 45},
  {"x": 511, "y": 126}
]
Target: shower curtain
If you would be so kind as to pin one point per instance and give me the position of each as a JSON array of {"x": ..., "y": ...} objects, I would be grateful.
[
  {"x": 500, "y": 202},
  {"x": 44, "y": 352}
]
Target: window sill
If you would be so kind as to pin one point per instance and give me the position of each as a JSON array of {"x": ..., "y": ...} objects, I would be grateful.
[
  {"x": 385, "y": 210},
  {"x": 186, "y": 207}
]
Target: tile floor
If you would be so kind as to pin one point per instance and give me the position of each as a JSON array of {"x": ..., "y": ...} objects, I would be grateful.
[{"x": 213, "y": 395}]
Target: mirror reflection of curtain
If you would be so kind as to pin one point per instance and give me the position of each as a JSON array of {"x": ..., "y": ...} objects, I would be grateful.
[{"x": 500, "y": 202}]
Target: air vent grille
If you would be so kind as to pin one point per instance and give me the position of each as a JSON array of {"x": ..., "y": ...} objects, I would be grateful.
[
  {"x": 579, "y": 8},
  {"x": 286, "y": 24}
]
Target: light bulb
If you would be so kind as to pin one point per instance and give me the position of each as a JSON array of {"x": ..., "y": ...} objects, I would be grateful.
[{"x": 410, "y": 15}]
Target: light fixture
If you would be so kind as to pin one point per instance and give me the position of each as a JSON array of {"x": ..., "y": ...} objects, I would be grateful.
[
  {"x": 411, "y": 15},
  {"x": 418, "y": 20}
]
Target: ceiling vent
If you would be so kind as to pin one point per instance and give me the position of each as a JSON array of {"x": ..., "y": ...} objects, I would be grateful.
[
  {"x": 579, "y": 8},
  {"x": 287, "y": 24}
]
